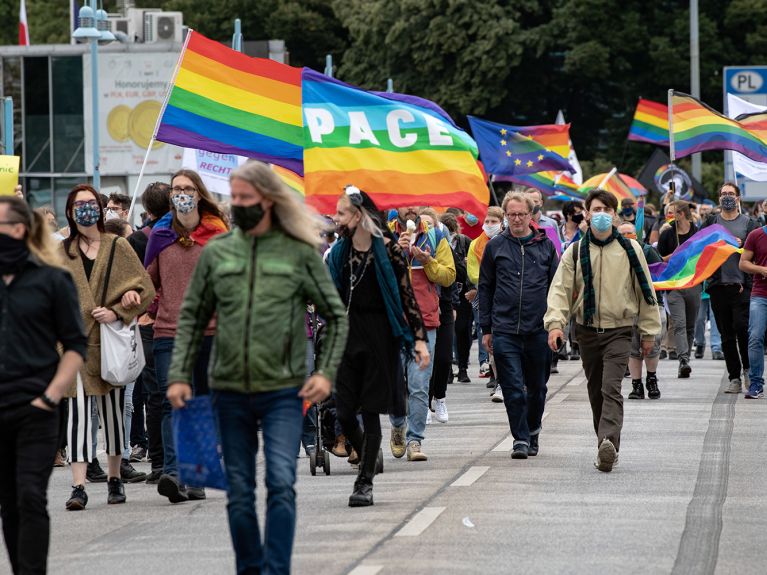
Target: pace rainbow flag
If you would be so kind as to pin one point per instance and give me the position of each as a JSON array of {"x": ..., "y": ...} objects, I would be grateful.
[
  {"x": 399, "y": 152},
  {"x": 695, "y": 260},
  {"x": 695, "y": 127},
  {"x": 224, "y": 101},
  {"x": 289, "y": 178},
  {"x": 650, "y": 123}
]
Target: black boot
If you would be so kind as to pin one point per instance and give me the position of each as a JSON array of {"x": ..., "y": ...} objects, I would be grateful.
[
  {"x": 652, "y": 386},
  {"x": 362, "y": 496},
  {"x": 638, "y": 391}
]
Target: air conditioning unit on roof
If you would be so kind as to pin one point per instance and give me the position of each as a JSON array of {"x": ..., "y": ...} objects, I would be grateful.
[
  {"x": 163, "y": 27},
  {"x": 135, "y": 17},
  {"x": 120, "y": 24}
]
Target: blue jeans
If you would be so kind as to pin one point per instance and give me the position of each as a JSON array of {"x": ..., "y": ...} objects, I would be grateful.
[
  {"x": 418, "y": 387},
  {"x": 483, "y": 356},
  {"x": 163, "y": 351},
  {"x": 705, "y": 314},
  {"x": 523, "y": 363},
  {"x": 757, "y": 324},
  {"x": 278, "y": 414}
]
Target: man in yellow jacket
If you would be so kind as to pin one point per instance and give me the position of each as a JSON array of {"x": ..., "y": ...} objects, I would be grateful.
[{"x": 603, "y": 279}]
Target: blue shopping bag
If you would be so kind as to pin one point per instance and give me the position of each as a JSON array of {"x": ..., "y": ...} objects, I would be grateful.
[{"x": 198, "y": 449}]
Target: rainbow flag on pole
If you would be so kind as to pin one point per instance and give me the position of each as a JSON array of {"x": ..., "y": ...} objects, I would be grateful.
[
  {"x": 612, "y": 182},
  {"x": 552, "y": 137},
  {"x": 549, "y": 183},
  {"x": 695, "y": 127},
  {"x": 290, "y": 179},
  {"x": 224, "y": 101},
  {"x": 399, "y": 151},
  {"x": 695, "y": 260},
  {"x": 650, "y": 123}
]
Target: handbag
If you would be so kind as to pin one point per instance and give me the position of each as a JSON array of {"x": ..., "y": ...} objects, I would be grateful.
[
  {"x": 198, "y": 449},
  {"x": 122, "y": 353}
]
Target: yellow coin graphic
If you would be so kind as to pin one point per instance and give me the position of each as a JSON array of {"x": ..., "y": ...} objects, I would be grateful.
[
  {"x": 142, "y": 121},
  {"x": 117, "y": 123}
]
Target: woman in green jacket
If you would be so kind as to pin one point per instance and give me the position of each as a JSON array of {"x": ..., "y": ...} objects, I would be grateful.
[{"x": 257, "y": 279}]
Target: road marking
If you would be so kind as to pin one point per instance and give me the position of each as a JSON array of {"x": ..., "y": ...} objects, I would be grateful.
[
  {"x": 545, "y": 415},
  {"x": 505, "y": 445},
  {"x": 420, "y": 522},
  {"x": 471, "y": 475},
  {"x": 577, "y": 382},
  {"x": 558, "y": 398},
  {"x": 366, "y": 570}
]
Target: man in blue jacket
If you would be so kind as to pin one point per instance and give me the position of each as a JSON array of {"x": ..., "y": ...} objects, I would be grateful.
[{"x": 514, "y": 277}]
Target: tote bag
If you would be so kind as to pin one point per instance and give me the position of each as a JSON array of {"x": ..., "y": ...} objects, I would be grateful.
[
  {"x": 122, "y": 353},
  {"x": 198, "y": 451}
]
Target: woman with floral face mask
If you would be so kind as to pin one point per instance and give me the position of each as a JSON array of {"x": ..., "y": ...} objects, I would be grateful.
[
  {"x": 87, "y": 254},
  {"x": 171, "y": 256}
]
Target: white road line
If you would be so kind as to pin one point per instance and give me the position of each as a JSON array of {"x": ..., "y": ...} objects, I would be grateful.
[
  {"x": 545, "y": 415},
  {"x": 471, "y": 475},
  {"x": 505, "y": 445},
  {"x": 420, "y": 522},
  {"x": 366, "y": 570},
  {"x": 558, "y": 398},
  {"x": 577, "y": 382}
]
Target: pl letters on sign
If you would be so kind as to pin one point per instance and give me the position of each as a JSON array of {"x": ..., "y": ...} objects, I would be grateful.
[{"x": 745, "y": 82}]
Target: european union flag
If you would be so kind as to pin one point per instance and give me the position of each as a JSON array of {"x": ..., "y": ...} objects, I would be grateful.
[{"x": 505, "y": 152}]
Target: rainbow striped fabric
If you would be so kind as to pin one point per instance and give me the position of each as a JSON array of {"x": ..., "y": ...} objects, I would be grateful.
[
  {"x": 290, "y": 179},
  {"x": 549, "y": 183},
  {"x": 612, "y": 182},
  {"x": 695, "y": 127},
  {"x": 552, "y": 137},
  {"x": 224, "y": 101},
  {"x": 650, "y": 123},
  {"x": 695, "y": 260},
  {"x": 399, "y": 152}
]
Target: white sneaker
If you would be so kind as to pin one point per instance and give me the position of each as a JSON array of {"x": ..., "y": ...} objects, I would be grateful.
[
  {"x": 440, "y": 413},
  {"x": 428, "y": 417},
  {"x": 497, "y": 396}
]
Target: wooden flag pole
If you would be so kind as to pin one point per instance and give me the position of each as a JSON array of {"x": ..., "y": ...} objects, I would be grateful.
[
  {"x": 157, "y": 123},
  {"x": 671, "y": 125}
]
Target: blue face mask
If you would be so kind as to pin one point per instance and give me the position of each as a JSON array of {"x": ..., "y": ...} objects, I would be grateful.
[
  {"x": 601, "y": 221},
  {"x": 87, "y": 215}
]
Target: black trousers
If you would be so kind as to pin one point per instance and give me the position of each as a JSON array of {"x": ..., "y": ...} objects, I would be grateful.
[
  {"x": 730, "y": 306},
  {"x": 138, "y": 420},
  {"x": 28, "y": 446},
  {"x": 153, "y": 400},
  {"x": 463, "y": 324},
  {"x": 443, "y": 356}
]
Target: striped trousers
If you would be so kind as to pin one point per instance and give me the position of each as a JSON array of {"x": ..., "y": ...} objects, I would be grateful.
[{"x": 79, "y": 425}]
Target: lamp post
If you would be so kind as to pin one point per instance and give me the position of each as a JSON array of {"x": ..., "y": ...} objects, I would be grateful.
[{"x": 94, "y": 28}]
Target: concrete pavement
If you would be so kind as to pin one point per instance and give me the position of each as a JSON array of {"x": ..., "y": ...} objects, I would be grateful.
[{"x": 685, "y": 498}]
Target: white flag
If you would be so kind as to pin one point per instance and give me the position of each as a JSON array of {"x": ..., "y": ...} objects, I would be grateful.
[
  {"x": 577, "y": 175},
  {"x": 747, "y": 167}
]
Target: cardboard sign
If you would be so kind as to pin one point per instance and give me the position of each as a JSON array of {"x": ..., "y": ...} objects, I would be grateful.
[{"x": 9, "y": 175}]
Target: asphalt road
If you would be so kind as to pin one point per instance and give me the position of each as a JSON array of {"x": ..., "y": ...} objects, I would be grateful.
[{"x": 686, "y": 497}]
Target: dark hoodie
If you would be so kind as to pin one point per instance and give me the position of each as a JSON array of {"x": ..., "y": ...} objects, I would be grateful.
[{"x": 514, "y": 279}]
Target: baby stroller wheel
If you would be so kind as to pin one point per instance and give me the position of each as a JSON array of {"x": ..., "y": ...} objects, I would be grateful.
[
  {"x": 313, "y": 462},
  {"x": 326, "y": 462}
]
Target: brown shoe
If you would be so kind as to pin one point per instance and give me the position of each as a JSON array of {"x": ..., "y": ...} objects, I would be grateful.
[
  {"x": 354, "y": 458},
  {"x": 61, "y": 458},
  {"x": 339, "y": 449}
]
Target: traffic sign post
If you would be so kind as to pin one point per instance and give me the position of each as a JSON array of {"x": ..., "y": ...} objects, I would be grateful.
[{"x": 748, "y": 83}]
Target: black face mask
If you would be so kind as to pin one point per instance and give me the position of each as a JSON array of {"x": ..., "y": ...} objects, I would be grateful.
[
  {"x": 13, "y": 254},
  {"x": 536, "y": 209},
  {"x": 248, "y": 217},
  {"x": 628, "y": 212},
  {"x": 576, "y": 218}
]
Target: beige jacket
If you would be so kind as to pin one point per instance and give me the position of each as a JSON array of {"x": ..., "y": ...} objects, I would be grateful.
[
  {"x": 618, "y": 294},
  {"x": 127, "y": 274}
]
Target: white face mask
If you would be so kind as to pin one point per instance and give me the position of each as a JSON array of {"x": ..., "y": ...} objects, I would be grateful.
[
  {"x": 491, "y": 231},
  {"x": 111, "y": 215}
]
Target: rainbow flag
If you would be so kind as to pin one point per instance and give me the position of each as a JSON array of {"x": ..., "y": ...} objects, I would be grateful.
[
  {"x": 290, "y": 179},
  {"x": 695, "y": 260},
  {"x": 224, "y": 101},
  {"x": 552, "y": 137},
  {"x": 650, "y": 123},
  {"x": 549, "y": 183},
  {"x": 695, "y": 127},
  {"x": 612, "y": 182},
  {"x": 399, "y": 152}
]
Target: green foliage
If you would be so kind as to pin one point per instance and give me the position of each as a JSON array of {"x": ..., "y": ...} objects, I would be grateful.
[{"x": 517, "y": 62}]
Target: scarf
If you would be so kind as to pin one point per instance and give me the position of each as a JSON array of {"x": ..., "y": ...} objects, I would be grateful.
[
  {"x": 163, "y": 235},
  {"x": 589, "y": 296},
  {"x": 387, "y": 282}
]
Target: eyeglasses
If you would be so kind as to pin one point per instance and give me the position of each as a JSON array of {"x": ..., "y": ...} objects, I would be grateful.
[
  {"x": 184, "y": 190},
  {"x": 91, "y": 203},
  {"x": 518, "y": 216}
]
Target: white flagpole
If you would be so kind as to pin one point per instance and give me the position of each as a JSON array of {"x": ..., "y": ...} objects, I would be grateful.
[
  {"x": 609, "y": 175},
  {"x": 671, "y": 124},
  {"x": 157, "y": 123}
]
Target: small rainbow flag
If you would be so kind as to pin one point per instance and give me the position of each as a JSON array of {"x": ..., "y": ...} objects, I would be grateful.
[
  {"x": 290, "y": 179},
  {"x": 695, "y": 127},
  {"x": 224, "y": 101},
  {"x": 650, "y": 123},
  {"x": 695, "y": 260},
  {"x": 553, "y": 137},
  {"x": 549, "y": 183},
  {"x": 393, "y": 147},
  {"x": 612, "y": 182}
]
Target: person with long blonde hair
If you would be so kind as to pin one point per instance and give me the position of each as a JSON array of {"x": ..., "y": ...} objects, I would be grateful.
[
  {"x": 38, "y": 305},
  {"x": 257, "y": 280}
]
